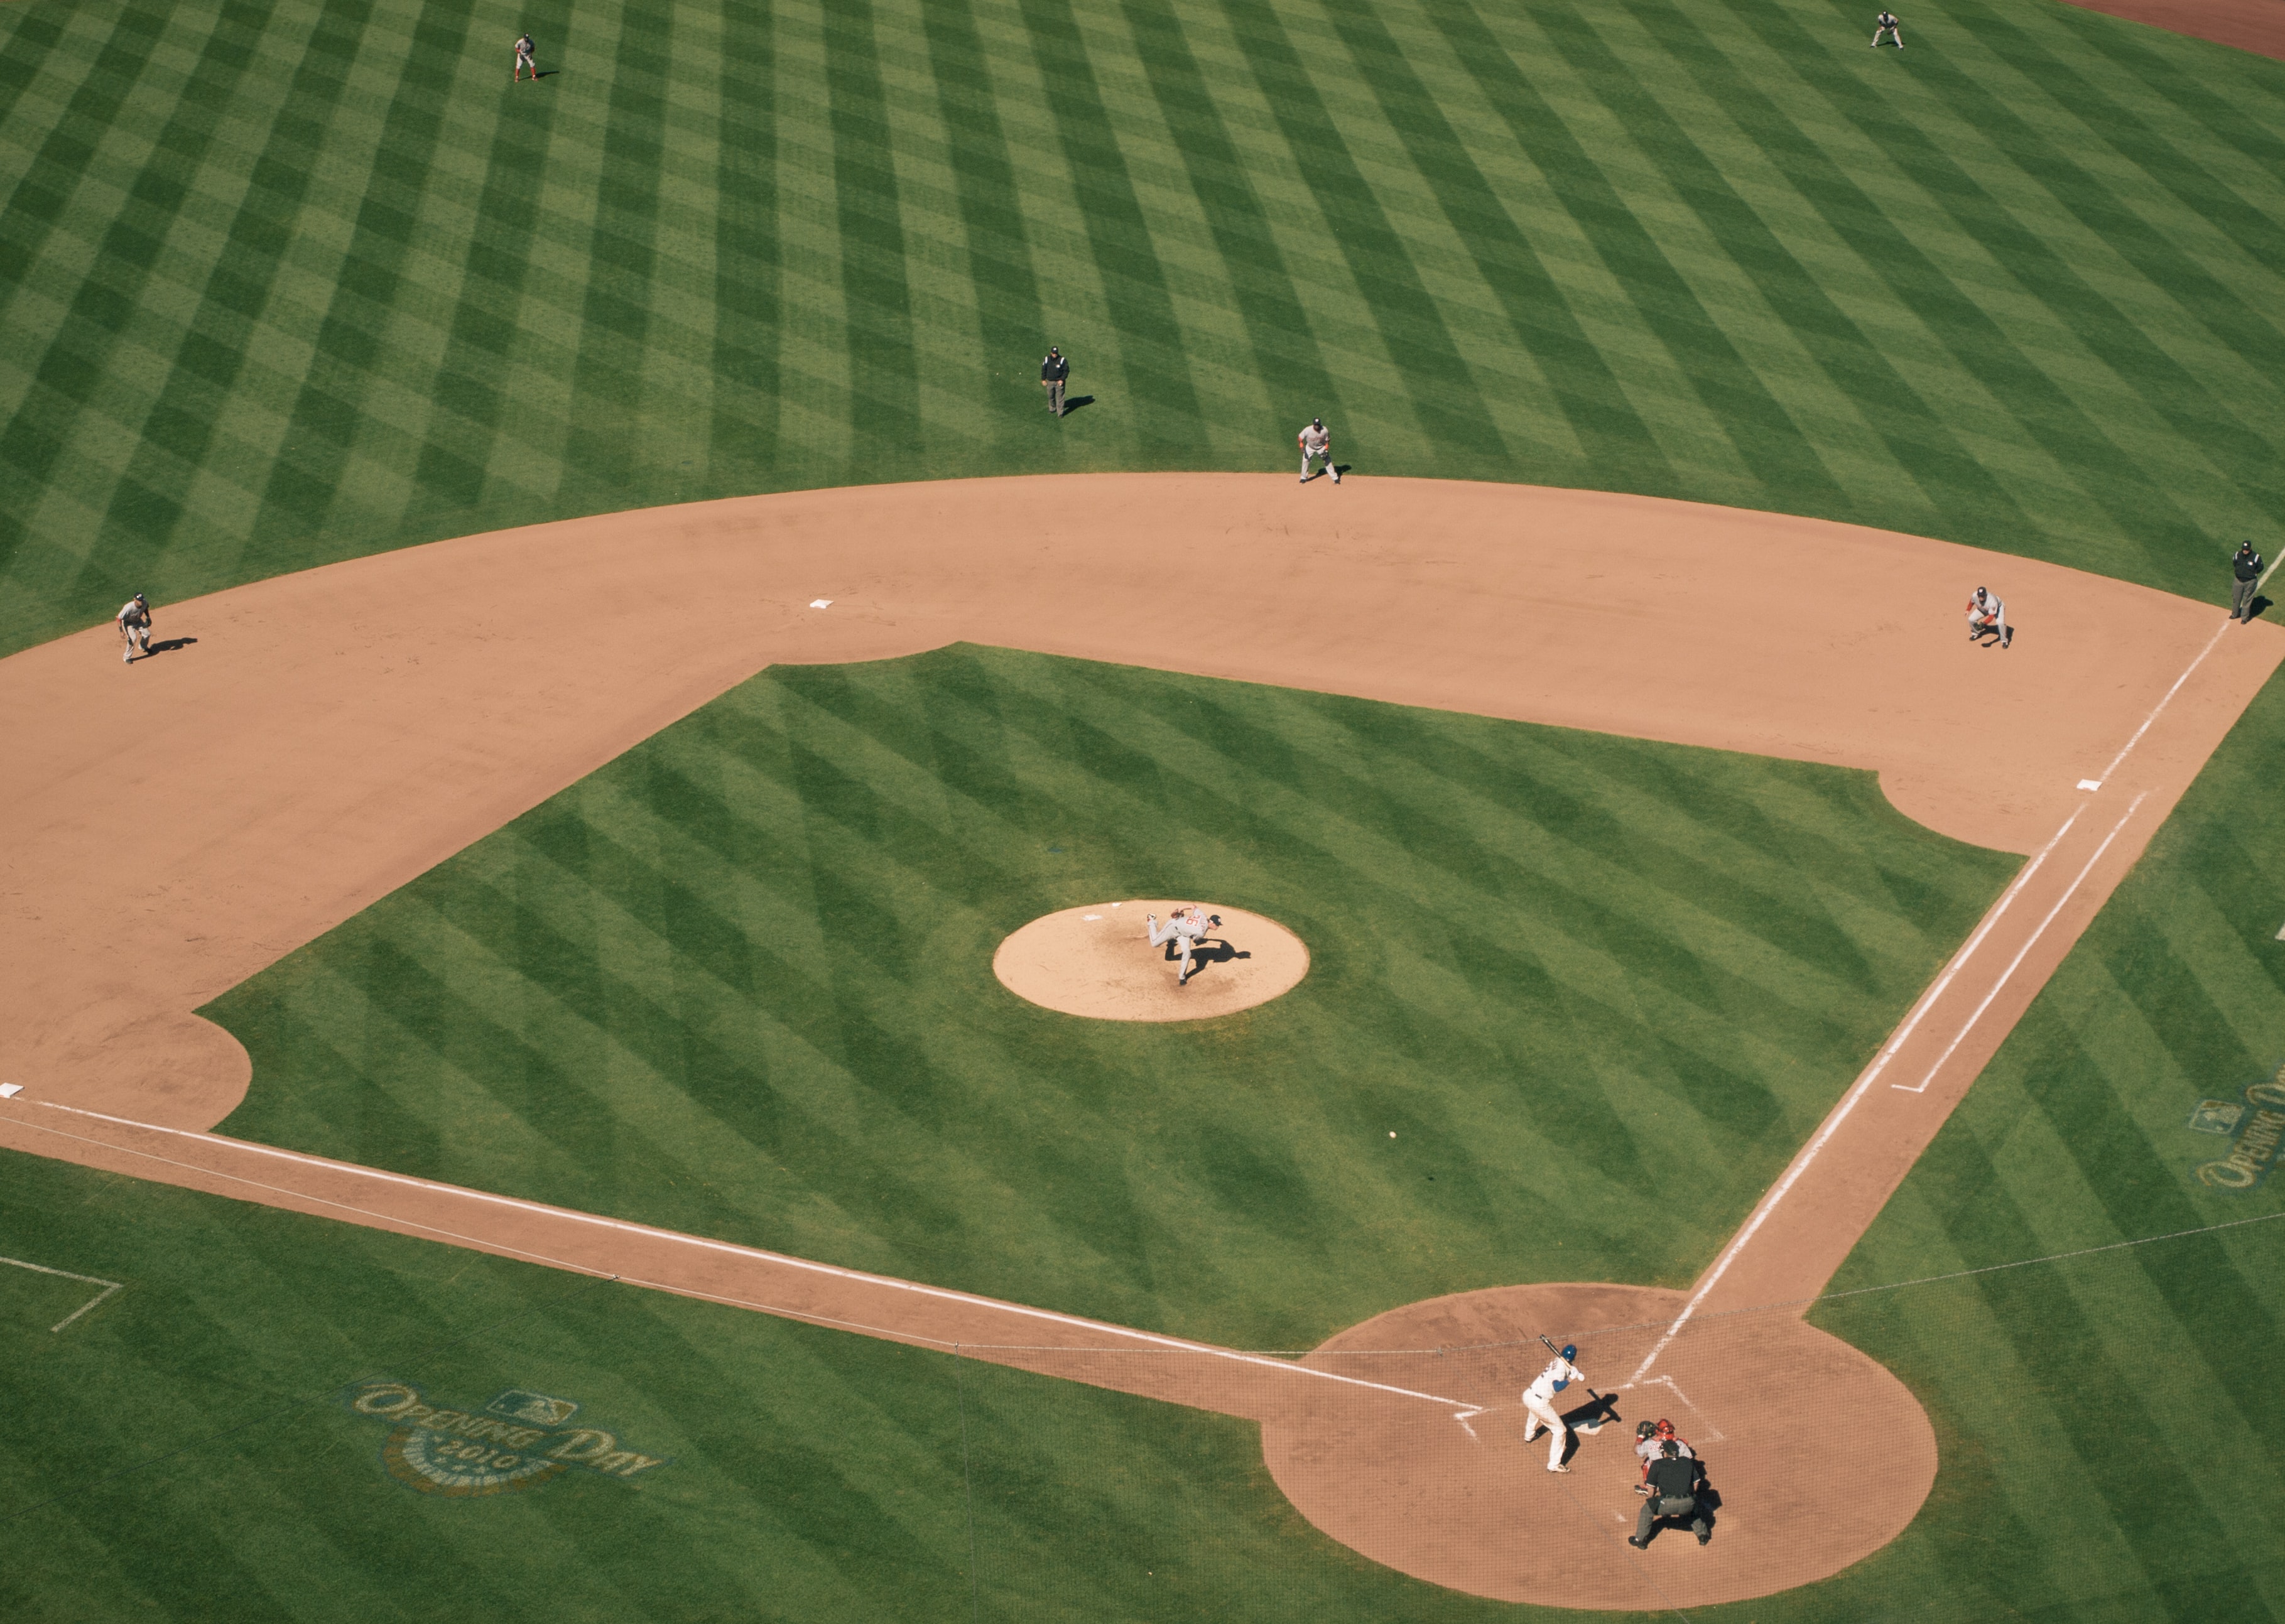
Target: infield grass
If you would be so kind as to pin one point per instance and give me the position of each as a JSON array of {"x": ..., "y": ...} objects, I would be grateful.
[
  {"x": 283, "y": 283},
  {"x": 739, "y": 982},
  {"x": 2108, "y": 1438}
]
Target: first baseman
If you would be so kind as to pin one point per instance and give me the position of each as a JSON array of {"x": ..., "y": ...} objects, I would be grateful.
[
  {"x": 1539, "y": 1405},
  {"x": 523, "y": 49},
  {"x": 1885, "y": 23},
  {"x": 1986, "y": 614},
  {"x": 1317, "y": 442},
  {"x": 134, "y": 618},
  {"x": 1187, "y": 925}
]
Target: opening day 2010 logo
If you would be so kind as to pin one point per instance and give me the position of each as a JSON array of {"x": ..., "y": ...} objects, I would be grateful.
[
  {"x": 517, "y": 1441},
  {"x": 2254, "y": 1123}
]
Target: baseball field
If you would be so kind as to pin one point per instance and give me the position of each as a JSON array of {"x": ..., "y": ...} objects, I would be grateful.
[{"x": 508, "y": 1106}]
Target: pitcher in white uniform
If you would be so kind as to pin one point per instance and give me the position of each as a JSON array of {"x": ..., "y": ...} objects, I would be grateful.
[{"x": 1187, "y": 925}]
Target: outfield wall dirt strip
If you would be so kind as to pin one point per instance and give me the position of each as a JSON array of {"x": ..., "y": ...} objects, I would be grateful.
[
  {"x": 2258, "y": 26},
  {"x": 170, "y": 829}
]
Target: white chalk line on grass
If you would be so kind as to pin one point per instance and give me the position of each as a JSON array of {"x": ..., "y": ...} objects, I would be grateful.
[
  {"x": 2024, "y": 952},
  {"x": 1461, "y": 1409},
  {"x": 109, "y": 1286},
  {"x": 1808, "y": 1152}
]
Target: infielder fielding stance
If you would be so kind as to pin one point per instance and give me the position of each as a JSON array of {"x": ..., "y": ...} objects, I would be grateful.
[
  {"x": 1986, "y": 614},
  {"x": 1885, "y": 23},
  {"x": 1317, "y": 444},
  {"x": 1188, "y": 925},
  {"x": 1539, "y": 1404},
  {"x": 134, "y": 618}
]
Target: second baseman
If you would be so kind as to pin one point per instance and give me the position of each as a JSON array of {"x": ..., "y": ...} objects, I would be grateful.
[{"x": 1317, "y": 442}]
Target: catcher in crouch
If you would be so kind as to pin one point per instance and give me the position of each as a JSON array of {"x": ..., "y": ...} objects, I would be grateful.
[{"x": 1187, "y": 925}]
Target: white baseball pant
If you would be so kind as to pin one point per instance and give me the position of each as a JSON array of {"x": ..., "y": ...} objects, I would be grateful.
[{"x": 1542, "y": 1414}]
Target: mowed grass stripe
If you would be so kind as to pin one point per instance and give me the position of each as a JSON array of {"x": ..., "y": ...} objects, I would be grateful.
[
  {"x": 179, "y": 441},
  {"x": 1154, "y": 367},
  {"x": 994, "y": 235},
  {"x": 749, "y": 294},
  {"x": 766, "y": 933}
]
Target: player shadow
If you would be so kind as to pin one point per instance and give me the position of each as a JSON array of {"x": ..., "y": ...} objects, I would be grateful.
[
  {"x": 1681, "y": 1522},
  {"x": 1074, "y": 401},
  {"x": 1593, "y": 1416},
  {"x": 2254, "y": 607},
  {"x": 1213, "y": 950},
  {"x": 167, "y": 645},
  {"x": 1988, "y": 638}
]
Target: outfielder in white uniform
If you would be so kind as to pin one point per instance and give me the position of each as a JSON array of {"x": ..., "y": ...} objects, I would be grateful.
[
  {"x": 1317, "y": 442},
  {"x": 1885, "y": 23},
  {"x": 134, "y": 618},
  {"x": 1987, "y": 615},
  {"x": 1187, "y": 925},
  {"x": 1539, "y": 1405}
]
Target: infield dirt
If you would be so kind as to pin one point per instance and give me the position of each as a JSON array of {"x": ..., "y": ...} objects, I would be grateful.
[{"x": 171, "y": 827}]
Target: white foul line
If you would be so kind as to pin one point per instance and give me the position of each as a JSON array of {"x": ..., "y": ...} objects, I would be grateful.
[
  {"x": 781, "y": 1259},
  {"x": 109, "y": 1286},
  {"x": 2024, "y": 952},
  {"x": 2105, "y": 774},
  {"x": 1808, "y": 1152}
]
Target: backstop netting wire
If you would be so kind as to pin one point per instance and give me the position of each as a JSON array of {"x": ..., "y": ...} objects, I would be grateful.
[{"x": 1088, "y": 1502}]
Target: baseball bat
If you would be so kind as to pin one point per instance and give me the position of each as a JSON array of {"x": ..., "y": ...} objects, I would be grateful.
[{"x": 1590, "y": 1391}]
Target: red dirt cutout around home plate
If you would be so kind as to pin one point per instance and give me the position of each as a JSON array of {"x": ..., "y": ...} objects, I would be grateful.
[
  {"x": 1097, "y": 961},
  {"x": 328, "y": 736},
  {"x": 1763, "y": 1396}
]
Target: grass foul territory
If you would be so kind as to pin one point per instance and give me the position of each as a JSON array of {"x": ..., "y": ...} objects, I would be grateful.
[
  {"x": 283, "y": 283},
  {"x": 739, "y": 982}
]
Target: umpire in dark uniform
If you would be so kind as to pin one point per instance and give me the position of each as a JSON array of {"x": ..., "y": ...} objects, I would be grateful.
[
  {"x": 1053, "y": 372},
  {"x": 2247, "y": 568},
  {"x": 1674, "y": 1482}
]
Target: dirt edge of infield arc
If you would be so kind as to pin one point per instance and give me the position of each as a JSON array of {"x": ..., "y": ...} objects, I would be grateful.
[
  {"x": 1095, "y": 960},
  {"x": 330, "y": 735}
]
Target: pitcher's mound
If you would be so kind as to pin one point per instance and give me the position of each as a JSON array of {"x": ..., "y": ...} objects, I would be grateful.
[{"x": 1098, "y": 960}]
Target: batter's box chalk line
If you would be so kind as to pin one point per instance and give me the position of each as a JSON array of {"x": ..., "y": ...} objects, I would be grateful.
[
  {"x": 1713, "y": 1433},
  {"x": 109, "y": 1286}
]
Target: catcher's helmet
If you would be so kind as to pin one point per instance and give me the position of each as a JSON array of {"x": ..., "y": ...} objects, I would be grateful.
[
  {"x": 1570, "y": 1350},
  {"x": 1664, "y": 1428}
]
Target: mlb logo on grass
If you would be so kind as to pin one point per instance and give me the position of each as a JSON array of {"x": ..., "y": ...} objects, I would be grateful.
[{"x": 2255, "y": 1122}]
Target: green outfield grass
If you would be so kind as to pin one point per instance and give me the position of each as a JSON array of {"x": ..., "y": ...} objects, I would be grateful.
[
  {"x": 739, "y": 982},
  {"x": 281, "y": 284}
]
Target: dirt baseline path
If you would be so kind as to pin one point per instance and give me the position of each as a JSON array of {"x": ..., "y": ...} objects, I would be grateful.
[{"x": 173, "y": 827}]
